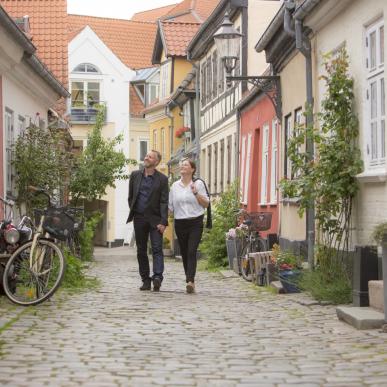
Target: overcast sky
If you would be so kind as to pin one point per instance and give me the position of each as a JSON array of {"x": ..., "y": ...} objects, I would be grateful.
[{"x": 122, "y": 9}]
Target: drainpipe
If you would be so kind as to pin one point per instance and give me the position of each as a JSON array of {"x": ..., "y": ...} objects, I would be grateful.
[
  {"x": 171, "y": 127},
  {"x": 304, "y": 46}
]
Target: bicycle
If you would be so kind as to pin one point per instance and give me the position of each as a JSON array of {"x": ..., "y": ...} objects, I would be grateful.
[
  {"x": 253, "y": 242},
  {"x": 35, "y": 270},
  {"x": 73, "y": 241}
]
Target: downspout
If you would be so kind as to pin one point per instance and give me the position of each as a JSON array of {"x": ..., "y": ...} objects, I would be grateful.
[
  {"x": 304, "y": 46},
  {"x": 171, "y": 127},
  {"x": 197, "y": 119}
]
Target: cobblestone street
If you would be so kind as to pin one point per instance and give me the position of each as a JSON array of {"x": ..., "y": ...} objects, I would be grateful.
[{"x": 228, "y": 334}]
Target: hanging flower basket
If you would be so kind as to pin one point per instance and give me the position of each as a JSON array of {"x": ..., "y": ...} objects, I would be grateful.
[{"x": 180, "y": 132}]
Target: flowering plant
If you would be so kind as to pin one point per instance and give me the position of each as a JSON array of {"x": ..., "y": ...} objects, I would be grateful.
[
  {"x": 285, "y": 260},
  {"x": 237, "y": 232},
  {"x": 179, "y": 132}
]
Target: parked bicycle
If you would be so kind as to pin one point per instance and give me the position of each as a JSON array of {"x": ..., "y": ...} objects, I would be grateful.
[
  {"x": 252, "y": 242},
  {"x": 35, "y": 270}
]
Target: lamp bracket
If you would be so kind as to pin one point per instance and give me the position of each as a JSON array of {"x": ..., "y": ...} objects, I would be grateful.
[{"x": 270, "y": 86}]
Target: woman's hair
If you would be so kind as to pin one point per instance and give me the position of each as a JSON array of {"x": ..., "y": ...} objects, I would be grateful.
[{"x": 192, "y": 164}]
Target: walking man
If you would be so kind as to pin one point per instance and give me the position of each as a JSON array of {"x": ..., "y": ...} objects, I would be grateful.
[{"x": 148, "y": 203}]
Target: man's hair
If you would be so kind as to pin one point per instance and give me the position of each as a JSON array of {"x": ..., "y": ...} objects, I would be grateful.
[{"x": 158, "y": 155}]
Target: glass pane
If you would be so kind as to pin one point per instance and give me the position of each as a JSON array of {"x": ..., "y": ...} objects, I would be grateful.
[
  {"x": 381, "y": 32},
  {"x": 93, "y": 93},
  {"x": 382, "y": 97},
  {"x": 382, "y": 140},
  {"x": 373, "y": 100},
  {"x": 374, "y": 141},
  {"x": 91, "y": 68},
  {"x": 143, "y": 149},
  {"x": 77, "y": 94},
  {"x": 80, "y": 68},
  {"x": 373, "y": 50}
]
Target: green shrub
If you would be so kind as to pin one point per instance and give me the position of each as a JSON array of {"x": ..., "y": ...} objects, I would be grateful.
[
  {"x": 213, "y": 245},
  {"x": 74, "y": 277},
  {"x": 331, "y": 279},
  {"x": 86, "y": 236}
]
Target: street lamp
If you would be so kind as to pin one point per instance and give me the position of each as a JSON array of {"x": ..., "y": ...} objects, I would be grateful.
[{"x": 228, "y": 42}]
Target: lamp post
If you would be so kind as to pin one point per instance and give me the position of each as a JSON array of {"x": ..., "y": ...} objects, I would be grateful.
[{"x": 228, "y": 42}]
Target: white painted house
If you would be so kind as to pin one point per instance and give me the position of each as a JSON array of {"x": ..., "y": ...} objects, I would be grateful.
[
  {"x": 27, "y": 92},
  {"x": 98, "y": 76}
]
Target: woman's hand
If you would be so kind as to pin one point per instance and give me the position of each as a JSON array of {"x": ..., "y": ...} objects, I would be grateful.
[{"x": 193, "y": 189}]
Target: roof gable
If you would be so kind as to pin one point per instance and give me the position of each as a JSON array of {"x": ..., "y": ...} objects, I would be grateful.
[{"x": 152, "y": 15}]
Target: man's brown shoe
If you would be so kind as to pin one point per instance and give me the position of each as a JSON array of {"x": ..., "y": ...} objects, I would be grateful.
[{"x": 190, "y": 287}]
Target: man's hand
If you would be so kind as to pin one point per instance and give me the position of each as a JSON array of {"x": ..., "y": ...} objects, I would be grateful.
[{"x": 161, "y": 228}]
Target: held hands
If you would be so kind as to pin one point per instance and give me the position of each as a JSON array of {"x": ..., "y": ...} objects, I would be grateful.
[{"x": 161, "y": 228}]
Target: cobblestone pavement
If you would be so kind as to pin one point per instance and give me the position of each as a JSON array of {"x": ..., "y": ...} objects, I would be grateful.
[{"x": 228, "y": 334}]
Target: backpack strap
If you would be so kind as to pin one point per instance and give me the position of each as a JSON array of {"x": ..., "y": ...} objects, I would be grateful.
[{"x": 209, "y": 215}]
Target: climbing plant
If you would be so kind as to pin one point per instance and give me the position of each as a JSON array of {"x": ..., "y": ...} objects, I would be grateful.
[{"x": 329, "y": 180}]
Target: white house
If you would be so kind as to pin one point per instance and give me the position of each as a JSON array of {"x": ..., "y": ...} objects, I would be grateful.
[
  {"x": 98, "y": 76},
  {"x": 27, "y": 91}
]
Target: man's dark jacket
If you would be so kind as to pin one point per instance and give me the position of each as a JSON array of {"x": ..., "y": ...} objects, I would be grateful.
[{"x": 156, "y": 211}]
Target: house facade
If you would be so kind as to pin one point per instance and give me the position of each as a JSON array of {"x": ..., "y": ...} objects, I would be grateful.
[
  {"x": 28, "y": 90},
  {"x": 218, "y": 119},
  {"x": 99, "y": 78}
]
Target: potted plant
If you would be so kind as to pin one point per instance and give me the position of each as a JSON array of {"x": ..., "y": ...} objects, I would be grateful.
[
  {"x": 288, "y": 267},
  {"x": 234, "y": 244},
  {"x": 180, "y": 132},
  {"x": 167, "y": 247}
]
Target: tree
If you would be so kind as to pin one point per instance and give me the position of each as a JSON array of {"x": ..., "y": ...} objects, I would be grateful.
[{"x": 99, "y": 166}]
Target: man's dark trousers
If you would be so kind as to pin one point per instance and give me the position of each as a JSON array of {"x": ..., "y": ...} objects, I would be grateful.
[{"x": 143, "y": 230}]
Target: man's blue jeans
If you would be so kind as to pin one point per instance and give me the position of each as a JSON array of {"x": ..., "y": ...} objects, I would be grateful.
[{"x": 143, "y": 230}]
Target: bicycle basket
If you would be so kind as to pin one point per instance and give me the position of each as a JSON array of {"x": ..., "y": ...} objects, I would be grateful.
[
  {"x": 260, "y": 221},
  {"x": 57, "y": 223}
]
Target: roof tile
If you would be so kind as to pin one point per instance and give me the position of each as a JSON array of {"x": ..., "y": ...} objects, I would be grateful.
[{"x": 153, "y": 14}]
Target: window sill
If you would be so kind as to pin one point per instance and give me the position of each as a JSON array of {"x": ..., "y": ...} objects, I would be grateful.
[
  {"x": 377, "y": 176},
  {"x": 295, "y": 201},
  {"x": 263, "y": 204}
]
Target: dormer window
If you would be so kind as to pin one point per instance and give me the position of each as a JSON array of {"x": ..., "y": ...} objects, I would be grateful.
[{"x": 86, "y": 68}]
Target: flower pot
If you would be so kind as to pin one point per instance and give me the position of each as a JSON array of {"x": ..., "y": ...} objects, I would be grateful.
[
  {"x": 289, "y": 279},
  {"x": 234, "y": 248}
]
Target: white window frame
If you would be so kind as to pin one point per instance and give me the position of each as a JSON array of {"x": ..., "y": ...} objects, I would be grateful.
[
  {"x": 85, "y": 90},
  {"x": 140, "y": 140},
  {"x": 375, "y": 147},
  {"x": 274, "y": 162},
  {"x": 163, "y": 145},
  {"x": 265, "y": 163},
  {"x": 243, "y": 166},
  {"x": 247, "y": 173},
  {"x": 289, "y": 133},
  {"x": 164, "y": 80},
  {"x": 155, "y": 139},
  {"x": 9, "y": 131}
]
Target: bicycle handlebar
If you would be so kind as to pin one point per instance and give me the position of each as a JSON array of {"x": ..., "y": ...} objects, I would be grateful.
[{"x": 10, "y": 203}]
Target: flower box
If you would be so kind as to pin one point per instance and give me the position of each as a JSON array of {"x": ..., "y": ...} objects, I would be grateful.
[{"x": 234, "y": 249}]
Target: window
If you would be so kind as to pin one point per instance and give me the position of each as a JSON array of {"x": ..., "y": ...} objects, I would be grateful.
[
  {"x": 143, "y": 149},
  {"x": 375, "y": 95},
  {"x": 209, "y": 154},
  {"x": 243, "y": 168},
  {"x": 247, "y": 170},
  {"x": 229, "y": 158},
  {"x": 164, "y": 86},
  {"x": 209, "y": 81},
  {"x": 86, "y": 68},
  {"x": 274, "y": 162},
  {"x": 153, "y": 93},
  {"x": 163, "y": 144},
  {"x": 216, "y": 167},
  {"x": 21, "y": 125},
  {"x": 203, "y": 84},
  {"x": 265, "y": 162},
  {"x": 221, "y": 165},
  {"x": 221, "y": 76},
  {"x": 9, "y": 143},
  {"x": 84, "y": 94},
  {"x": 155, "y": 140},
  {"x": 288, "y": 135},
  {"x": 215, "y": 74}
]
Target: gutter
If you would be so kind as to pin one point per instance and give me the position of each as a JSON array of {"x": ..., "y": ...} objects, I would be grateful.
[
  {"x": 44, "y": 73},
  {"x": 16, "y": 32}
]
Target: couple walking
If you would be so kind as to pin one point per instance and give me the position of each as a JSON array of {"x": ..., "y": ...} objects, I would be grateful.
[{"x": 149, "y": 202}]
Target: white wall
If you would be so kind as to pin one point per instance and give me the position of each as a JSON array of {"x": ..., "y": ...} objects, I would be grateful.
[{"x": 114, "y": 80}]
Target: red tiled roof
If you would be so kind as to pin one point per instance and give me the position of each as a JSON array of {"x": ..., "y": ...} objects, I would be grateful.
[
  {"x": 153, "y": 14},
  {"x": 131, "y": 41},
  {"x": 48, "y": 22},
  {"x": 177, "y": 36},
  {"x": 199, "y": 10}
]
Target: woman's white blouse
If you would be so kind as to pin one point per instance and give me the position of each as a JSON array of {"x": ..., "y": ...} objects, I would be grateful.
[{"x": 183, "y": 203}]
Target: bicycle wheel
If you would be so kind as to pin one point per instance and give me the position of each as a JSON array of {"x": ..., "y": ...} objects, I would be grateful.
[
  {"x": 32, "y": 282},
  {"x": 244, "y": 265}
]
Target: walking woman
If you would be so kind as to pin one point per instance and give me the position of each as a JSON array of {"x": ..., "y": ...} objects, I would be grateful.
[{"x": 187, "y": 201}]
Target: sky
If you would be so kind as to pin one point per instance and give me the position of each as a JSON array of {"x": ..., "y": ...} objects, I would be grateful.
[{"x": 122, "y": 9}]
